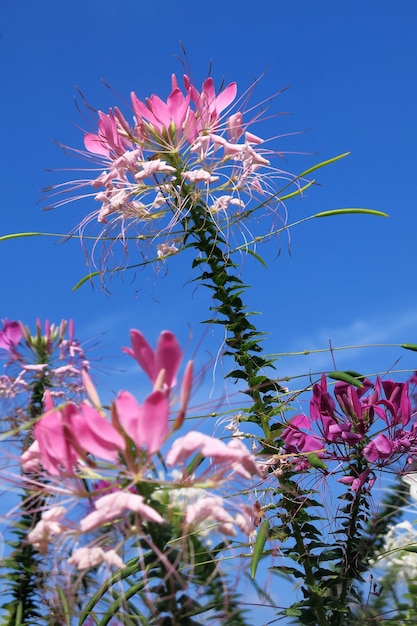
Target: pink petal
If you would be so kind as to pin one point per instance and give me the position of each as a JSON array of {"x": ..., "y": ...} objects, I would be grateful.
[
  {"x": 226, "y": 97},
  {"x": 143, "y": 353},
  {"x": 168, "y": 357},
  {"x": 93, "y": 432},
  {"x": 95, "y": 145},
  {"x": 146, "y": 425}
]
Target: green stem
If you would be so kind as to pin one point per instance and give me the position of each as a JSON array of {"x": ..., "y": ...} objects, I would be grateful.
[{"x": 242, "y": 338}]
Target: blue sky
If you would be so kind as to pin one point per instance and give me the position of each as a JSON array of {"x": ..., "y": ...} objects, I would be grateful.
[{"x": 351, "y": 66}]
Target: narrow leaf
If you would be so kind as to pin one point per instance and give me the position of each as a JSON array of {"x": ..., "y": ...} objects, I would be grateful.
[
  {"x": 409, "y": 346},
  {"x": 410, "y": 549},
  {"x": 263, "y": 534},
  {"x": 346, "y": 378},
  {"x": 350, "y": 211},
  {"x": 323, "y": 164},
  {"x": 18, "y": 235},
  {"x": 256, "y": 256},
  {"x": 84, "y": 280}
]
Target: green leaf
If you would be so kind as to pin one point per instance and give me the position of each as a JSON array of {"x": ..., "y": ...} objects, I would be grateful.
[
  {"x": 409, "y": 549},
  {"x": 315, "y": 461},
  {"x": 84, "y": 280},
  {"x": 350, "y": 211},
  {"x": 263, "y": 535},
  {"x": 409, "y": 346},
  {"x": 323, "y": 164},
  {"x": 345, "y": 377},
  {"x": 257, "y": 257},
  {"x": 18, "y": 235}
]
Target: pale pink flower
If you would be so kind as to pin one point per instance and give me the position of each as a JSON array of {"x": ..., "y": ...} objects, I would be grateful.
[
  {"x": 199, "y": 176},
  {"x": 233, "y": 455},
  {"x": 209, "y": 510},
  {"x": 166, "y": 249},
  {"x": 115, "y": 505},
  {"x": 212, "y": 509},
  {"x": 87, "y": 557},
  {"x": 47, "y": 527},
  {"x": 30, "y": 460}
]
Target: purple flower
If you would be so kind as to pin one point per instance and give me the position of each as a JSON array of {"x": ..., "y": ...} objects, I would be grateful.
[{"x": 10, "y": 335}]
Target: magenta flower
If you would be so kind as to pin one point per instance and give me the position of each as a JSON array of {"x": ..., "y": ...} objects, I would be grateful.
[
  {"x": 296, "y": 440},
  {"x": 368, "y": 423},
  {"x": 164, "y": 362},
  {"x": 146, "y": 425},
  {"x": 378, "y": 449},
  {"x": 10, "y": 335}
]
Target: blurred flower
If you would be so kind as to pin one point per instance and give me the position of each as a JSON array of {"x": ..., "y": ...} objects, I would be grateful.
[
  {"x": 10, "y": 335},
  {"x": 48, "y": 527},
  {"x": 115, "y": 505},
  {"x": 66, "y": 434},
  {"x": 394, "y": 553},
  {"x": 230, "y": 457},
  {"x": 87, "y": 557},
  {"x": 211, "y": 509}
]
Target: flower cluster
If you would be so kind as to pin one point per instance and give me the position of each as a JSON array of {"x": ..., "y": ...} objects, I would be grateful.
[
  {"x": 52, "y": 357},
  {"x": 371, "y": 423},
  {"x": 115, "y": 466},
  {"x": 174, "y": 155}
]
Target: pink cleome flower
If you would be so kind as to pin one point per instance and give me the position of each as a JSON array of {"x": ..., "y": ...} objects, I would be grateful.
[
  {"x": 372, "y": 422},
  {"x": 186, "y": 151}
]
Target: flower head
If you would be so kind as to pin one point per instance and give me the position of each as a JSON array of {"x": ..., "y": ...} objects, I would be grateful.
[{"x": 187, "y": 151}]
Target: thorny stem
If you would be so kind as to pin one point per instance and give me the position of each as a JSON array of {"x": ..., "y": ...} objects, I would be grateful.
[
  {"x": 316, "y": 600},
  {"x": 26, "y": 579},
  {"x": 242, "y": 338}
]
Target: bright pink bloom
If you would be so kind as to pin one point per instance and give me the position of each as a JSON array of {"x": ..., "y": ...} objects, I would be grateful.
[
  {"x": 10, "y": 335},
  {"x": 167, "y": 356},
  {"x": 110, "y": 141},
  {"x": 57, "y": 454},
  {"x": 65, "y": 434},
  {"x": 114, "y": 505},
  {"x": 146, "y": 425},
  {"x": 92, "y": 432}
]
